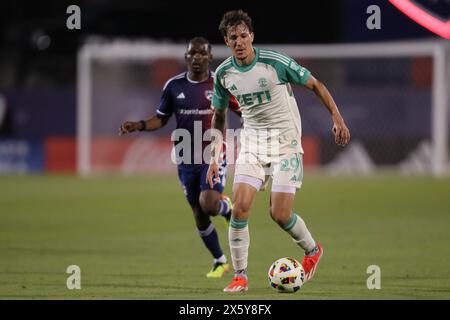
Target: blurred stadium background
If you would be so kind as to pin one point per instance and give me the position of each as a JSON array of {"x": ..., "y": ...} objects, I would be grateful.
[
  {"x": 391, "y": 98},
  {"x": 64, "y": 93}
]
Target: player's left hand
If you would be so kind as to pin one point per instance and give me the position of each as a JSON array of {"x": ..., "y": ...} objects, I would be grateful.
[{"x": 341, "y": 132}]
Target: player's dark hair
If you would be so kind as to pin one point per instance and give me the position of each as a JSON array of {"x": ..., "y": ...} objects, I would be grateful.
[
  {"x": 202, "y": 41},
  {"x": 234, "y": 18}
]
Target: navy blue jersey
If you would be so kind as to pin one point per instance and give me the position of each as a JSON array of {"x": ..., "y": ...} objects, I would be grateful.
[{"x": 190, "y": 101}]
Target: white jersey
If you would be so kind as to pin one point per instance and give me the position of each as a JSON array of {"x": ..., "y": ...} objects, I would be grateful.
[{"x": 262, "y": 90}]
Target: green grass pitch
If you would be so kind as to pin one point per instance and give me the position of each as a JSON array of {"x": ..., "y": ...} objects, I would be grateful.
[{"x": 134, "y": 238}]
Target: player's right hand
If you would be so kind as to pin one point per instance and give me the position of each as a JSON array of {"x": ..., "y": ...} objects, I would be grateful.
[
  {"x": 213, "y": 174},
  {"x": 128, "y": 127}
]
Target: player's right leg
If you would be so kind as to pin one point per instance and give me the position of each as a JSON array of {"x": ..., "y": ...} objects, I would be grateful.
[
  {"x": 244, "y": 192},
  {"x": 190, "y": 181},
  {"x": 210, "y": 238}
]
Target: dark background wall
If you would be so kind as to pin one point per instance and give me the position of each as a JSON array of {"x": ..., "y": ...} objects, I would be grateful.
[
  {"x": 38, "y": 52},
  {"x": 22, "y": 23}
]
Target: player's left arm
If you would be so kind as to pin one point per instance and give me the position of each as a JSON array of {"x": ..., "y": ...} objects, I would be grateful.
[{"x": 340, "y": 130}]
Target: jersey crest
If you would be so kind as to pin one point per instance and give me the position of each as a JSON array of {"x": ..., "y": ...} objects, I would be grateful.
[{"x": 209, "y": 94}]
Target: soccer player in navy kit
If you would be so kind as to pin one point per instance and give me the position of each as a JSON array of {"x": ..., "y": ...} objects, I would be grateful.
[{"x": 188, "y": 96}]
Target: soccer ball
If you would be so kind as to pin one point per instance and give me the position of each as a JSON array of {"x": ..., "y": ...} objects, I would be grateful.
[{"x": 286, "y": 275}]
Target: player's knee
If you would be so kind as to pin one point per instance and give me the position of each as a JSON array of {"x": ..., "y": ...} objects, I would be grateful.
[
  {"x": 240, "y": 210},
  {"x": 280, "y": 215},
  {"x": 209, "y": 205}
]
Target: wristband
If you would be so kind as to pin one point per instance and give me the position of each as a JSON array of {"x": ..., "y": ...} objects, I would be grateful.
[{"x": 143, "y": 125}]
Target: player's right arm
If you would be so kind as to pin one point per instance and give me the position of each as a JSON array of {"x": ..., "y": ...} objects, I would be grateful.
[
  {"x": 220, "y": 103},
  {"x": 218, "y": 124},
  {"x": 151, "y": 124}
]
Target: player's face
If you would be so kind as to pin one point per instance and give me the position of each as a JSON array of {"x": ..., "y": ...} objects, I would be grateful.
[
  {"x": 198, "y": 57},
  {"x": 240, "y": 40}
]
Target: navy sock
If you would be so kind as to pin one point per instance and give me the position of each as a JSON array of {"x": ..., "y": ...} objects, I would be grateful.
[{"x": 211, "y": 240}]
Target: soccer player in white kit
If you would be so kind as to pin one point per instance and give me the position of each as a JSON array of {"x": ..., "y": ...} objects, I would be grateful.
[{"x": 270, "y": 139}]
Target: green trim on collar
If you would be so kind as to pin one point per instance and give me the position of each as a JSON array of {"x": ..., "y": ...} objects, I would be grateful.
[{"x": 250, "y": 66}]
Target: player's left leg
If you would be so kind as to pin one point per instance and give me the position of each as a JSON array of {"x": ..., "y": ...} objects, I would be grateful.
[
  {"x": 287, "y": 178},
  {"x": 281, "y": 212},
  {"x": 215, "y": 203}
]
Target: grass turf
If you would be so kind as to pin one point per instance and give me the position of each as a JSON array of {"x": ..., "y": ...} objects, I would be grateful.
[{"x": 134, "y": 238}]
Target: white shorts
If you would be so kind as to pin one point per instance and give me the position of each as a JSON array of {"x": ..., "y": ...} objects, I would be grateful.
[{"x": 282, "y": 161}]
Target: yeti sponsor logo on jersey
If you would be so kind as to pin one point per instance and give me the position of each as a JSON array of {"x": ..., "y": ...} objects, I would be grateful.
[
  {"x": 254, "y": 98},
  {"x": 208, "y": 94}
]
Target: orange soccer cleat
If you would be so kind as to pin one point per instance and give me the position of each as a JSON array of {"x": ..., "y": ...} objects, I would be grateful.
[
  {"x": 310, "y": 263},
  {"x": 238, "y": 284}
]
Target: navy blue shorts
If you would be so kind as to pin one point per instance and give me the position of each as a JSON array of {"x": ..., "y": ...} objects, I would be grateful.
[{"x": 193, "y": 180}]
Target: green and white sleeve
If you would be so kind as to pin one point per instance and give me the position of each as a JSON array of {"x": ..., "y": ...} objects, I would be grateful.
[
  {"x": 288, "y": 69},
  {"x": 221, "y": 96},
  {"x": 295, "y": 73}
]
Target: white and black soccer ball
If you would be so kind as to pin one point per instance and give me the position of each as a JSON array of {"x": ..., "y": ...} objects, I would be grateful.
[{"x": 286, "y": 275}]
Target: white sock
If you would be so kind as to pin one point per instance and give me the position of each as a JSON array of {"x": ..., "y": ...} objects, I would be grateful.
[
  {"x": 222, "y": 259},
  {"x": 296, "y": 227},
  {"x": 239, "y": 239}
]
